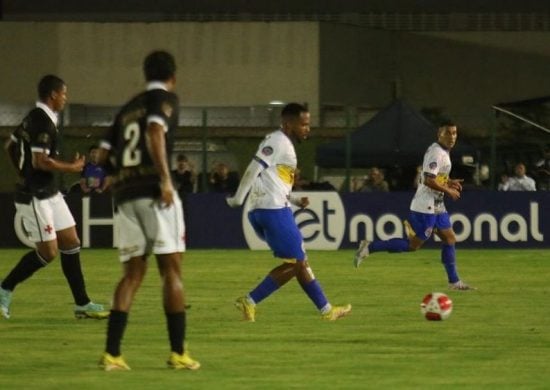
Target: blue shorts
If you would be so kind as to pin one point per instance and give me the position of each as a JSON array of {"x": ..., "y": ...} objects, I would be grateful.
[
  {"x": 424, "y": 224},
  {"x": 278, "y": 228}
]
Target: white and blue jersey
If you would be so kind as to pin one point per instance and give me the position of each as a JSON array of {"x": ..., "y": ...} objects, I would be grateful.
[
  {"x": 271, "y": 189},
  {"x": 427, "y": 207},
  {"x": 271, "y": 215},
  {"x": 437, "y": 163}
]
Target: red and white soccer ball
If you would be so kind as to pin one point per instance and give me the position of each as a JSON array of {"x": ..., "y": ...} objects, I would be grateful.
[{"x": 436, "y": 306}]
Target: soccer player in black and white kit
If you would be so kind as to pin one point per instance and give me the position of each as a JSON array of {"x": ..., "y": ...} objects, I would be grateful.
[
  {"x": 33, "y": 151},
  {"x": 150, "y": 214}
]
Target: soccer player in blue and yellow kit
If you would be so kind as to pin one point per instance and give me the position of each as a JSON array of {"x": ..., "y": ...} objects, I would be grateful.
[
  {"x": 268, "y": 180},
  {"x": 427, "y": 212}
]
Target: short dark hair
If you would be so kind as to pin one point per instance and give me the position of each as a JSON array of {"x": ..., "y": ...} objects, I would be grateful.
[
  {"x": 293, "y": 110},
  {"x": 159, "y": 66},
  {"x": 181, "y": 157},
  {"x": 447, "y": 123},
  {"x": 49, "y": 84}
]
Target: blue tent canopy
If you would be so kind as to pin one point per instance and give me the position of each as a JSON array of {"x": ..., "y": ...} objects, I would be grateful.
[{"x": 396, "y": 136}]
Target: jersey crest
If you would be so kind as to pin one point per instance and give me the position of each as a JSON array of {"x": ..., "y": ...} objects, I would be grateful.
[
  {"x": 43, "y": 138},
  {"x": 167, "y": 109},
  {"x": 267, "y": 150}
]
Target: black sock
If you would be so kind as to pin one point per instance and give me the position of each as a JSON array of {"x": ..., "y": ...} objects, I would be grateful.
[
  {"x": 70, "y": 263},
  {"x": 176, "y": 331},
  {"x": 28, "y": 265},
  {"x": 115, "y": 331}
]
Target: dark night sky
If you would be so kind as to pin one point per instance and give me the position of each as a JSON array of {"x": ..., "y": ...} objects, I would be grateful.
[{"x": 145, "y": 10}]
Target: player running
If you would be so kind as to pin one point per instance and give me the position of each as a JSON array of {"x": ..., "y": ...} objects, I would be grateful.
[{"x": 427, "y": 211}]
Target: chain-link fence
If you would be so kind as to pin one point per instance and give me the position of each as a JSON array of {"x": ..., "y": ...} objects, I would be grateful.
[{"x": 499, "y": 141}]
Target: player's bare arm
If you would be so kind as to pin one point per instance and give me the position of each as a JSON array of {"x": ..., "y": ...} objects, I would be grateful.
[
  {"x": 430, "y": 181},
  {"x": 157, "y": 149},
  {"x": 455, "y": 183},
  {"x": 44, "y": 162},
  {"x": 252, "y": 171},
  {"x": 11, "y": 148}
]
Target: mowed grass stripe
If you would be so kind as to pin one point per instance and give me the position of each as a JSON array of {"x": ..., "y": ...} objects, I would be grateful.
[{"x": 496, "y": 337}]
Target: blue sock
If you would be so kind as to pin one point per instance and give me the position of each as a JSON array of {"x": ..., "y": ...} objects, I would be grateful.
[
  {"x": 264, "y": 289},
  {"x": 315, "y": 293},
  {"x": 394, "y": 245},
  {"x": 448, "y": 258}
]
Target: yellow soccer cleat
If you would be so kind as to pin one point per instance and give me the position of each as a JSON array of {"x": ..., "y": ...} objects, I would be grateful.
[
  {"x": 247, "y": 308},
  {"x": 113, "y": 363},
  {"x": 182, "y": 362},
  {"x": 336, "y": 312},
  {"x": 409, "y": 232}
]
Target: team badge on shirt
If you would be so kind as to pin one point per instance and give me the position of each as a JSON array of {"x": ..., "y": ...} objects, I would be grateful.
[
  {"x": 433, "y": 165},
  {"x": 167, "y": 109},
  {"x": 267, "y": 150},
  {"x": 44, "y": 138}
]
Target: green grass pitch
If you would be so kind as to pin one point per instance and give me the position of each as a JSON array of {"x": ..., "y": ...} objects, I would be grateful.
[{"x": 496, "y": 337}]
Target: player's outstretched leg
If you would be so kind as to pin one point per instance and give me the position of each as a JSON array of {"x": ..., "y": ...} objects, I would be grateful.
[
  {"x": 314, "y": 291},
  {"x": 362, "y": 253},
  {"x": 5, "y": 301},
  {"x": 394, "y": 245}
]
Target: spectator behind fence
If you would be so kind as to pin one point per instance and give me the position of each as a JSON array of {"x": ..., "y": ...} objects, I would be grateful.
[
  {"x": 520, "y": 181},
  {"x": 184, "y": 176},
  {"x": 503, "y": 184},
  {"x": 375, "y": 182},
  {"x": 303, "y": 184},
  {"x": 94, "y": 178},
  {"x": 542, "y": 170},
  {"x": 223, "y": 180}
]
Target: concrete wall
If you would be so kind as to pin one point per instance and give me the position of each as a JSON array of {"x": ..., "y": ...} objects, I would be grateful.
[
  {"x": 469, "y": 77},
  {"x": 464, "y": 73},
  {"x": 250, "y": 64},
  {"x": 230, "y": 64},
  {"x": 27, "y": 52},
  {"x": 358, "y": 66}
]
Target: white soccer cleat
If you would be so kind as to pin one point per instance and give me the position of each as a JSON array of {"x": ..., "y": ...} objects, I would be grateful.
[
  {"x": 362, "y": 253},
  {"x": 5, "y": 301},
  {"x": 460, "y": 286}
]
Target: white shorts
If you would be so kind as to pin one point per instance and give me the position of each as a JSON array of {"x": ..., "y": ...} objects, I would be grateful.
[
  {"x": 43, "y": 217},
  {"x": 144, "y": 228}
]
